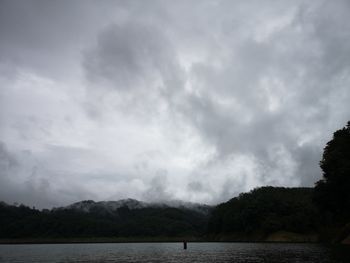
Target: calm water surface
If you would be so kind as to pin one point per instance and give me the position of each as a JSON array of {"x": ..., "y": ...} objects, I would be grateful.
[{"x": 173, "y": 252}]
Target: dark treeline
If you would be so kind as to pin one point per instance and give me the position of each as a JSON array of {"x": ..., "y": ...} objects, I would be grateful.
[
  {"x": 332, "y": 193},
  {"x": 22, "y": 221},
  {"x": 266, "y": 210},
  {"x": 323, "y": 211},
  {"x": 259, "y": 212}
]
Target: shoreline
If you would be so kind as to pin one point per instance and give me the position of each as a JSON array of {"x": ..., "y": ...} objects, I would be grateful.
[
  {"x": 93, "y": 240},
  {"x": 42, "y": 241}
]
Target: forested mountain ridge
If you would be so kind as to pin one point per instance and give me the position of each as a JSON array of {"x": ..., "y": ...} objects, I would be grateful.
[
  {"x": 94, "y": 219},
  {"x": 112, "y": 206},
  {"x": 263, "y": 211},
  {"x": 251, "y": 215},
  {"x": 259, "y": 215}
]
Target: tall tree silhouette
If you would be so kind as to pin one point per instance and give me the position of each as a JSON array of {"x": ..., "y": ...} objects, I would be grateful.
[{"x": 332, "y": 193}]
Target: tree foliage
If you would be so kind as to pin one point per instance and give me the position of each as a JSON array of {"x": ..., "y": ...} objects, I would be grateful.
[
  {"x": 22, "y": 221},
  {"x": 332, "y": 193},
  {"x": 266, "y": 210}
]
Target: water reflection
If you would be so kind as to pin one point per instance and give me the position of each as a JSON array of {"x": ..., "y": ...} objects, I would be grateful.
[{"x": 174, "y": 252}]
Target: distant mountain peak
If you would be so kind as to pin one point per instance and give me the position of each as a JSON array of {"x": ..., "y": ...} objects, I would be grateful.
[
  {"x": 111, "y": 206},
  {"x": 87, "y": 205}
]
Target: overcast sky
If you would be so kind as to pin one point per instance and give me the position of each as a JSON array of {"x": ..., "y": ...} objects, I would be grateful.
[{"x": 159, "y": 100}]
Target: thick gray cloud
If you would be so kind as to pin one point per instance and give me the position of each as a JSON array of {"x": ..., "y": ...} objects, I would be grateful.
[{"x": 160, "y": 100}]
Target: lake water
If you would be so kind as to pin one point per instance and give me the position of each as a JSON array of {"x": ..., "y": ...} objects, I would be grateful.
[{"x": 174, "y": 252}]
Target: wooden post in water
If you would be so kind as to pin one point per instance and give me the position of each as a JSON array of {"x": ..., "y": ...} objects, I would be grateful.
[{"x": 185, "y": 245}]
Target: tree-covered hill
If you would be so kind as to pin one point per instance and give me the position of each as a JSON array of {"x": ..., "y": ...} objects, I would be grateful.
[
  {"x": 24, "y": 222},
  {"x": 332, "y": 192},
  {"x": 264, "y": 211}
]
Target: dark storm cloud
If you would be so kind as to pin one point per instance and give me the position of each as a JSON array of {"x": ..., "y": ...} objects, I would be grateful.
[
  {"x": 129, "y": 56},
  {"x": 27, "y": 38},
  {"x": 47, "y": 37},
  {"x": 98, "y": 97},
  {"x": 136, "y": 61}
]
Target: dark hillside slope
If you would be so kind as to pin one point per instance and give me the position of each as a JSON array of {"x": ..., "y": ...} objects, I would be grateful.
[
  {"x": 25, "y": 222},
  {"x": 263, "y": 211}
]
